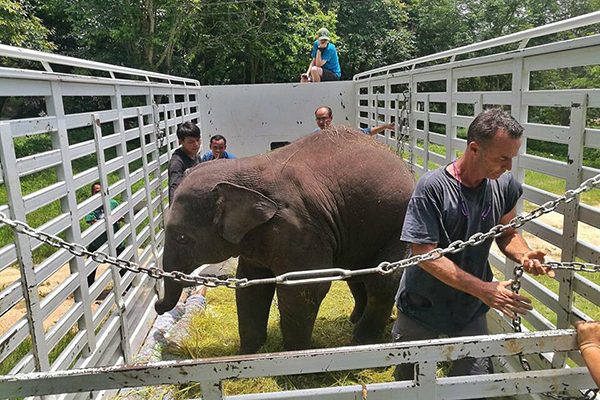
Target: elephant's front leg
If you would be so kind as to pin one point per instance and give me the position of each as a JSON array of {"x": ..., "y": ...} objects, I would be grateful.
[
  {"x": 253, "y": 305},
  {"x": 298, "y": 308}
]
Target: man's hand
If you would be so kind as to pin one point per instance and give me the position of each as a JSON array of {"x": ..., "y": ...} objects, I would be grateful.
[
  {"x": 532, "y": 263},
  {"x": 499, "y": 296},
  {"x": 588, "y": 333}
]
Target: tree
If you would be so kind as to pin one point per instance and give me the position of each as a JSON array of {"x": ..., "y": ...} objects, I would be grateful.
[
  {"x": 19, "y": 27},
  {"x": 372, "y": 34},
  {"x": 142, "y": 34},
  {"x": 256, "y": 41}
]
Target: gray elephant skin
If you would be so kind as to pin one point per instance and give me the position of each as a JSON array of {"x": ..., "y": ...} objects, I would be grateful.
[{"x": 333, "y": 199}]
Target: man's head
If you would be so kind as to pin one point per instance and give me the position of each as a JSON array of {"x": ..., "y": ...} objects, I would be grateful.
[
  {"x": 218, "y": 145},
  {"x": 323, "y": 35},
  {"x": 493, "y": 140},
  {"x": 188, "y": 134},
  {"x": 323, "y": 116}
]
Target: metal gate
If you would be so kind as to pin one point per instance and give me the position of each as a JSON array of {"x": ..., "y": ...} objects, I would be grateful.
[{"x": 96, "y": 123}]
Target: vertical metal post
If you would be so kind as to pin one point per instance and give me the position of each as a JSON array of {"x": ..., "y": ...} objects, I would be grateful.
[
  {"x": 450, "y": 111},
  {"x": 412, "y": 125},
  {"x": 570, "y": 216},
  {"x": 108, "y": 225},
  {"x": 426, "y": 380},
  {"x": 211, "y": 390},
  {"x": 151, "y": 221},
  {"x": 426, "y": 133},
  {"x": 60, "y": 140},
  {"x": 24, "y": 250},
  {"x": 119, "y": 125}
]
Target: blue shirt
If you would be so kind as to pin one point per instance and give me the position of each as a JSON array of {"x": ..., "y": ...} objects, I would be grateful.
[
  {"x": 208, "y": 156},
  {"x": 329, "y": 54}
]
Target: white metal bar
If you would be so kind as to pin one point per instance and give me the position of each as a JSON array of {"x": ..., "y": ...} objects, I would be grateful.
[
  {"x": 24, "y": 249},
  {"x": 109, "y": 220},
  {"x": 60, "y": 141},
  {"x": 33, "y": 55},
  {"x": 559, "y": 26},
  {"x": 314, "y": 361}
]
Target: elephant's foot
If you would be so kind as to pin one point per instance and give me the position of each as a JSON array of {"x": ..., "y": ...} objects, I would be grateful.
[
  {"x": 372, "y": 325},
  {"x": 250, "y": 348},
  {"x": 162, "y": 306},
  {"x": 356, "y": 315}
]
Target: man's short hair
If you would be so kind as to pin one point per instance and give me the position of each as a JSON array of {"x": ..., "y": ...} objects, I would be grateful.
[
  {"x": 485, "y": 125},
  {"x": 217, "y": 138},
  {"x": 329, "y": 111},
  {"x": 188, "y": 129}
]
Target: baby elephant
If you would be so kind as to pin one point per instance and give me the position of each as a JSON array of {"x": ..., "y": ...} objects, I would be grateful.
[{"x": 335, "y": 198}]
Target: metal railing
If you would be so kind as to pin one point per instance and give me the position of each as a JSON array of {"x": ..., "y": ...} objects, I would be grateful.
[
  {"x": 120, "y": 131},
  {"x": 130, "y": 158}
]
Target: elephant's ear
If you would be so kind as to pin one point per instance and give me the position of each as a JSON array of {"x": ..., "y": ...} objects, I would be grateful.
[{"x": 239, "y": 210}]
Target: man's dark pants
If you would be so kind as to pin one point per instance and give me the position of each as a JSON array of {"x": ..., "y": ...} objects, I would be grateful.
[{"x": 407, "y": 329}]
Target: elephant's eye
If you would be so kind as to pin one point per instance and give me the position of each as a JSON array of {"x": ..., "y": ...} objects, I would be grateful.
[{"x": 181, "y": 238}]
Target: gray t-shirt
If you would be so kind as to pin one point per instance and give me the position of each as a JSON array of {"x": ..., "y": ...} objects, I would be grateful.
[{"x": 434, "y": 215}]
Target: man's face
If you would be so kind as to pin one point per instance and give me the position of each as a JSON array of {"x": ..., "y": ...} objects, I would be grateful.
[
  {"x": 218, "y": 147},
  {"x": 496, "y": 157},
  {"x": 96, "y": 189},
  {"x": 323, "y": 43},
  {"x": 323, "y": 118},
  {"x": 190, "y": 146}
]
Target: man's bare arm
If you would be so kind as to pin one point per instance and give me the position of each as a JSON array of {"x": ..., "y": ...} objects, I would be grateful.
[
  {"x": 495, "y": 294},
  {"x": 514, "y": 246}
]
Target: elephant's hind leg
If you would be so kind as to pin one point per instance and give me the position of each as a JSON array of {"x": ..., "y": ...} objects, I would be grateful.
[
  {"x": 381, "y": 291},
  {"x": 298, "y": 308},
  {"x": 359, "y": 292},
  {"x": 253, "y": 305}
]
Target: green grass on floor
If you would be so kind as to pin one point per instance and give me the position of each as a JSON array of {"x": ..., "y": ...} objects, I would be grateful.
[{"x": 214, "y": 333}]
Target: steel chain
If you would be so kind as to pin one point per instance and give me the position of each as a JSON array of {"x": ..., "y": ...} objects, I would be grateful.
[
  {"x": 515, "y": 286},
  {"x": 516, "y": 320},
  {"x": 403, "y": 134},
  {"x": 323, "y": 275}
]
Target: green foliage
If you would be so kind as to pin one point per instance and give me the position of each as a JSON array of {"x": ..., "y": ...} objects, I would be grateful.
[
  {"x": 20, "y": 27},
  {"x": 256, "y": 42},
  {"x": 372, "y": 34}
]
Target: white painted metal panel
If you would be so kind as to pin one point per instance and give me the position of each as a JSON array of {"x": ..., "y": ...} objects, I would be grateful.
[{"x": 280, "y": 112}]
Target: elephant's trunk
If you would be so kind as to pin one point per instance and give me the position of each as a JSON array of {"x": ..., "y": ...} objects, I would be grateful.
[{"x": 171, "y": 297}]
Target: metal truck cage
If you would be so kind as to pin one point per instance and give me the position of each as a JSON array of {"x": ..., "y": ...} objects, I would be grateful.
[{"x": 96, "y": 122}]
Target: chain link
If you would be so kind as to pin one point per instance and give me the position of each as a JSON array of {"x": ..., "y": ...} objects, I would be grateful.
[
  {"x": 403, "y": 135},
  {"x": 312, "y": 276}
]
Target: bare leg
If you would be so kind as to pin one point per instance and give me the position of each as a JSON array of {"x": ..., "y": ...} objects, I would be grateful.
[{"x": 316, "y": 73}]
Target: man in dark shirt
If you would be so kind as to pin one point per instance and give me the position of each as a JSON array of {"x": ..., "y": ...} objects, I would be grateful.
[
  {"x": 451, "y": 295},
  {"x": 185, "y": 157}
]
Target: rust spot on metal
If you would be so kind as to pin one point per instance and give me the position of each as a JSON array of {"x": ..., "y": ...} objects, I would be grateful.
[
  {"x": 513, "y": 346},
  {"x": 447, "y": 352}
]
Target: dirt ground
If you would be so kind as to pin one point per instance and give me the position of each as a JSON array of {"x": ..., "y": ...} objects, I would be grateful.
[{"x": 10, "y": 275}]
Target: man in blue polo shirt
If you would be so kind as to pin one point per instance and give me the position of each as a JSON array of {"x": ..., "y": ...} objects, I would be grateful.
[
  {"x": 324, "y": 65},
  {"x": 218, "y": 147}
]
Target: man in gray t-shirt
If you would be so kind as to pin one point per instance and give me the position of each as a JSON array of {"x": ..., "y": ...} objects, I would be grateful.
[{"x": 451, "y": 295}]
